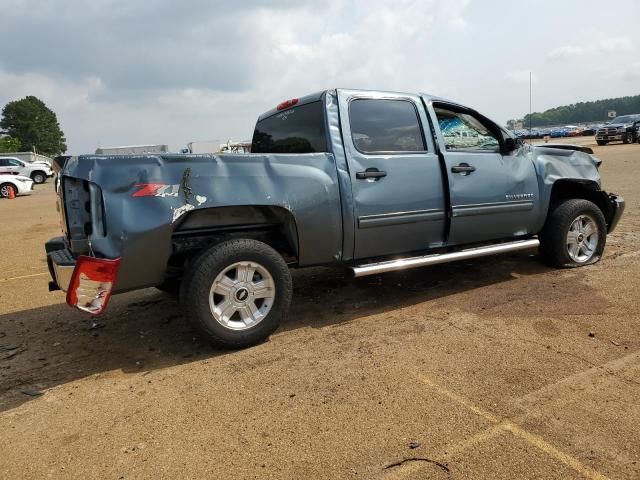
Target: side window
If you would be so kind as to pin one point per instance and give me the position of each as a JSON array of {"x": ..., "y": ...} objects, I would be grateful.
[
  {"x": 382, "y": 126},
  {"x": 4, "y": 162},
  {"x": 14, "y": 163},
  {"x": 463, "y": 132}
]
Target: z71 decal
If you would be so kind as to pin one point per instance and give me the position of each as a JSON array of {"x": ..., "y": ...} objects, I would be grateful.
[{"x": 156, "y": 190}]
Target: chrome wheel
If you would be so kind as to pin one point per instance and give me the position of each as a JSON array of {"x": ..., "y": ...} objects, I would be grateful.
[
  {"x": 242, "y": 295},
  {"x": 38, "y": 178},
  {"x": 582, "y": 239}
]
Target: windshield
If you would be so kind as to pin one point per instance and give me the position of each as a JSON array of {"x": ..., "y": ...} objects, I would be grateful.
[
  {"x": 296, "y": 130},
  {"x": 624, "y": 119}
]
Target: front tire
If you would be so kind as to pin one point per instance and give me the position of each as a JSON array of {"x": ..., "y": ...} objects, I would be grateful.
[
  {"x": 574, "y": 235},
  {"x": 628, "y": 138},
  {"x": 236, "y": 293},
  {"x": 601, "y": 142}
]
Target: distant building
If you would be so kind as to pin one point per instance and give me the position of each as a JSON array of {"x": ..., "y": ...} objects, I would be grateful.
[{"x": 132, "y": 150}]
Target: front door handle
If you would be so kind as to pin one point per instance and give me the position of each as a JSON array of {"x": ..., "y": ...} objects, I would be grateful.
[
  {"x": 463, "y": 168},
  {"x": 371, "y": 173}
]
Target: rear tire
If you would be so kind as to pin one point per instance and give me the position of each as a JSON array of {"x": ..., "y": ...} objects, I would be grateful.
[
  {"x": 5, "y": 189},
  {"x": 601, "y": 142},
  {"x": 236, "y": 293},
  {"x": 574, "y": 235}
]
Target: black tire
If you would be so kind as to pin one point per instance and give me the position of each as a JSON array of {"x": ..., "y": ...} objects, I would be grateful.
[
  {"x": 628, "y": 138},
  {"x": 553, "y": 238},
  {"x": 601, "y": 142},
  {"x": 4, "y": 190},
  {"x": 38, "y": 177},
  {"x": 200, "y": 276}
]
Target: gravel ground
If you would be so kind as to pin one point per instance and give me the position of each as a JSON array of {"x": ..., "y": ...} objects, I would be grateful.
[{"x": 496, "y": 368}]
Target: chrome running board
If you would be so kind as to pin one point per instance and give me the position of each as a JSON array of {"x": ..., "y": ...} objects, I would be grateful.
[{"x": 413, "y": 262}]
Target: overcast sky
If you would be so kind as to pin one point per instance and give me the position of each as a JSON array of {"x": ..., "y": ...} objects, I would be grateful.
[{"x": 121, "y": 72}]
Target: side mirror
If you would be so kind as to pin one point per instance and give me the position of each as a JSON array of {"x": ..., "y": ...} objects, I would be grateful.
[{"x": 511, "y": 144}]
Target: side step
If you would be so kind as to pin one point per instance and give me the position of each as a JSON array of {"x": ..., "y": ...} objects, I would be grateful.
[{"x": 413, "y": 262}]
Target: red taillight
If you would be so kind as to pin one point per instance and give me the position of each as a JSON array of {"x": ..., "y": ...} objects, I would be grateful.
[
  {"x": 91, "y": 283},
  {"x": 287, "y": 104}
]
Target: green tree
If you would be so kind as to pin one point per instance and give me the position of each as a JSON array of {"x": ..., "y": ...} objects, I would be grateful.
[
  {"x": 9, "y": 144},
  {"x": 34, "y": 125}
]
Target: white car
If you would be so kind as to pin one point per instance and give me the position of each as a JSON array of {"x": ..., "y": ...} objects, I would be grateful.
[
  {"x": 19, "y": 184},
  {"x": 38, "y": 171}
]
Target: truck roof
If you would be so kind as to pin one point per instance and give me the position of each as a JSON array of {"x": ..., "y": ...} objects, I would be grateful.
[{"x": 314, "y": 97}]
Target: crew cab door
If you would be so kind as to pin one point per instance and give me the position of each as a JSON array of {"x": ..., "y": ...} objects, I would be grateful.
[
  {"x": 493, "y": 191},
  {"x": 396, "y": 177}
]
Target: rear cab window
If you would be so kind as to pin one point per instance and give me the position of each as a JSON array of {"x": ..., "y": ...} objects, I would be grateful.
[
  {"x": 300, "y": 129},
  {"x": 385, "y": 126}
]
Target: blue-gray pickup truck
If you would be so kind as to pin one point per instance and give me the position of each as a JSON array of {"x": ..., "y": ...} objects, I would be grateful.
[{"x": 373, "y": 181}]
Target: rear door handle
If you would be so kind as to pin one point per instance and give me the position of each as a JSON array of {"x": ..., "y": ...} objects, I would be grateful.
[
  {"x": 371, "y": 173},
  {"x": 463, "y": 168}
]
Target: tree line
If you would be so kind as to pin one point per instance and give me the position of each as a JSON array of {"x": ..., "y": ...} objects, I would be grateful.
[
  {"x": 582, "y": 112},
  {"x": 29, "y": 125}
]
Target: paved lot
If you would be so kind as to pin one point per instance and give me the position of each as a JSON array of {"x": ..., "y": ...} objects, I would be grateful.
[{"x": 487, "y": 365}]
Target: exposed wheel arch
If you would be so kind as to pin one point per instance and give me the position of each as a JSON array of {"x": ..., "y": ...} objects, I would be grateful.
[
  {"x": 273, "y": 225},
  {"x": 566, "y": 189}
]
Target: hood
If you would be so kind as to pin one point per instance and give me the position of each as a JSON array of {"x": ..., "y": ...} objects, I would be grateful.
[
  {"x": 617, "y": 125},
  {"x": 6, "y": 177},
  {"x": 563, "y": 151}
]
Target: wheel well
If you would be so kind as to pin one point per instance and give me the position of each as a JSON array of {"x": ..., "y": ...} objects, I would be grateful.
[
  {"x": 587, "y": 190},
  {"x": 200, "y": 229}
]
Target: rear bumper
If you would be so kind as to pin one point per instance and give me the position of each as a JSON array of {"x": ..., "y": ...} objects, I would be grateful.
[
  {"x": 617, "y": 205},
  {"x": 61, "y": 264}
]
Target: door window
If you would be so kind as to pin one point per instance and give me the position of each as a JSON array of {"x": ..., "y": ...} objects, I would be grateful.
[
  {"x": 463, "y": 132},
  {"x": 385, "y": 126}
]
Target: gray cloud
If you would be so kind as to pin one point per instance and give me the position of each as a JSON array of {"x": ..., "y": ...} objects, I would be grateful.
[{"x": 161, "y": 71}]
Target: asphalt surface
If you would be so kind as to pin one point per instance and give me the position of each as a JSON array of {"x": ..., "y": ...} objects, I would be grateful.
[{"x": 496, "y": 368}]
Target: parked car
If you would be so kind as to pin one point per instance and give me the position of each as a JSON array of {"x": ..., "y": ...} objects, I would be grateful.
[
  {"x": 360, "y": 179},
  {"x": 558, "y": 132},
  {"x": 16, "y": 184},
  {"x": 572, "y": 130},
  {"x": 620, "y": 129},
  {"x": 590, "y": 129},
  {"x": 37, "y": 171}
]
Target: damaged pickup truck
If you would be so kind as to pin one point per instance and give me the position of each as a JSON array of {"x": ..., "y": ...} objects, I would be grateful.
[{"x": 373, "y": 181}]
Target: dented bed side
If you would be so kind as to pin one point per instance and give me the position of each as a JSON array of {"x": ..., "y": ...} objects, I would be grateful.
[{"x": 145, "y": 197}]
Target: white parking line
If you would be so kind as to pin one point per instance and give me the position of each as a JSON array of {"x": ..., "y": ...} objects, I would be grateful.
[
  {"x": 499, "y": 425},
  {"x": 23, "y": 276}
]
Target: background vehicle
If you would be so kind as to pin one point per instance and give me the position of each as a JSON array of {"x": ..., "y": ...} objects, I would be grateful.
[
  {"x": 372, "y": 181},
  {"x": 572, "y": 130},
  {"x": 558, "y": 132},
  {"x": 18, "y": 184},
  {"x": 37, "y": 171},
  {"x": 623, "y": 129}
]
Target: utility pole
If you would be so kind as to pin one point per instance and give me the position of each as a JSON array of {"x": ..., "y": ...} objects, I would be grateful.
[{"x": 530, "y": 104}]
